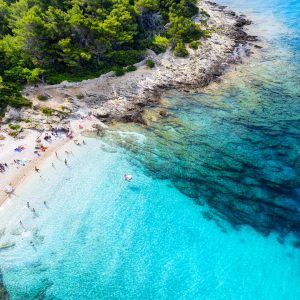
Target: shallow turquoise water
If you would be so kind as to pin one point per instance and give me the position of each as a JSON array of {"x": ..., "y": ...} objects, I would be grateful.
[
  {"x": 235, "y": 145},
  {"x": 102, "y": 238}
]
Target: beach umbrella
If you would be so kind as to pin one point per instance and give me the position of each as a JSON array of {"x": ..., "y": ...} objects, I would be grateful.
[{"x": 8, "y": 189}]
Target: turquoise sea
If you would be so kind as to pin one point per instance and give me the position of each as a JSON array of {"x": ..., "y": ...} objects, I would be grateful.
[{"x": 184, "y": 227}]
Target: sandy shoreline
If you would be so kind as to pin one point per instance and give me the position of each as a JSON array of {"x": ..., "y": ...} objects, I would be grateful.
[
  {"x": 110, "y": 98},
  {"x": 16, "y": 173}
]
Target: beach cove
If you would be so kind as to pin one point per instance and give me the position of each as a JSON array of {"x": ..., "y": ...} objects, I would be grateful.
[{"x": 108, "y": 98}]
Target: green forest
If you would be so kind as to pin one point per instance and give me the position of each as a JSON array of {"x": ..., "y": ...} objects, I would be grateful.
[{"x": 56, "y": 40}]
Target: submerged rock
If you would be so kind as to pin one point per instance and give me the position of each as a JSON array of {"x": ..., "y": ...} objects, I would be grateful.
[{"x": 3, "y": 292}]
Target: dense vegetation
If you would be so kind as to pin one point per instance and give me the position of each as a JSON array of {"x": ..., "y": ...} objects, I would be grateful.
[{"x": 56, "y": 40}]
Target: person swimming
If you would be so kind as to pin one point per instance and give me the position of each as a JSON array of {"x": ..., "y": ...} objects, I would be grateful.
[{"x": 128, "y": 177}]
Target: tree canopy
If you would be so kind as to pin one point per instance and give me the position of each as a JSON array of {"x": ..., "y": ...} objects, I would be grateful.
[{"x": 54, "y": 40}]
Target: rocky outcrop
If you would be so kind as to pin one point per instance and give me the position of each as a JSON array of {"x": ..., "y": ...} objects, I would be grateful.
[
  {"x": 3, "y": 291},
  {"x": 113, "y": 98}
]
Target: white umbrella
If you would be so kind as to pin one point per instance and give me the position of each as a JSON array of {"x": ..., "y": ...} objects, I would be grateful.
[{"x": 8, "y": 189}]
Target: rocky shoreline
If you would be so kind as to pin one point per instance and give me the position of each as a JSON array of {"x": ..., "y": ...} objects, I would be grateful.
[{"x": 112, "y": 98}]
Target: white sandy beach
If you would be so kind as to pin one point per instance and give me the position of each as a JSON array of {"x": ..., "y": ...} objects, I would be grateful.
[{"x": 16, "y": 172}]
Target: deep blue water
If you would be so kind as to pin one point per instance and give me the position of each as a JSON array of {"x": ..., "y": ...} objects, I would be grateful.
[{"x": 230, "y": 149}]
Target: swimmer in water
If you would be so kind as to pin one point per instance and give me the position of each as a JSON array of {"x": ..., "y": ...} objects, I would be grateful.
[{"x": 128, "y": 177}]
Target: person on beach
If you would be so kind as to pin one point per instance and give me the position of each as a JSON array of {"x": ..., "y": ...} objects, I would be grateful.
[
  {"x": 36, "y": 153},
  {"x": 83, "y": 141},
  {"x": 36, "y": 169},
  {"x": 2, "y": 168},
  {"x": 53, "y": 166},
  {"x": 66, "y": 162},
  {"x": 28, "y": 204},
  {"x": 33, "y": 210},
  {"x": 45, "y": 203},
  {"x": 56, "y": 154},
  {"x": 21, "y": 223},
  {"x": 67, "y": 152}
]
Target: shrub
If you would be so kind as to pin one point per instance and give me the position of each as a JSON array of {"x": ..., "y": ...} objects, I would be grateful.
[
  {"x": 17, "y": 74},
  {"x": 131, "y": 68},
  {"x": 160, "y": 44},
  {"x": 184, "y": 29},
  {"x": 18, "y": 101},
  {"x": 22, "y": 75},
  {"x": 14, "y": 126},
  {"x": 206, "y": 33},
  {"x": 125, "y": 57},
  {"x": 147, "y": 5},
  {"x": 13, "y": 134},
  {"x": 47, "y": 111},
  {"x": 194, "y": 45},
  {"x": 119, "y": 71},
  {"x": 204, "y": 13},
  {"x": 146, "y": 43},
  {"x": 10, "y": 95},
  {"x": 57, "y": 76},
  {"x": 180, "y": 50},
  {"x": 42, "y": 97},
  {"x": 150, "y": 63}
]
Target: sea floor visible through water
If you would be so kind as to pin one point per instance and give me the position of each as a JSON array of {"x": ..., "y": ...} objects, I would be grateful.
[{"x": 100, "y": 237}]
